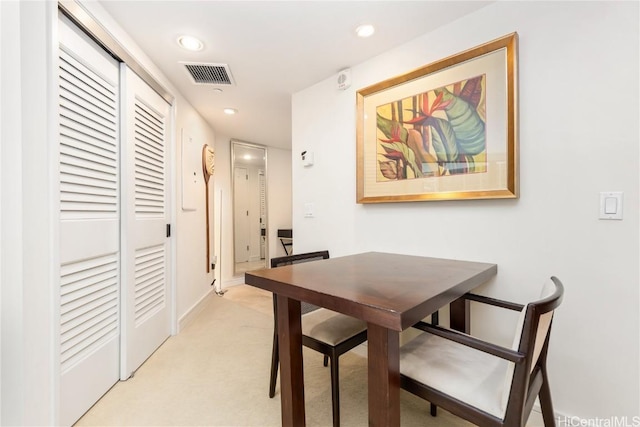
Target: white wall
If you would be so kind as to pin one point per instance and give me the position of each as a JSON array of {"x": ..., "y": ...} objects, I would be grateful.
[
  {"x": 224, "y": 210},
  {"x": 279, "y": 194},
  {"x": 193, "y": 282},
  {"x": 578, "y": 99}
]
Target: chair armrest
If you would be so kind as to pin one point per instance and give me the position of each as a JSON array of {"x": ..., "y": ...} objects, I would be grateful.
[
  {"x": 469, "y": 341},
  {"x": 493, "y": 301}
]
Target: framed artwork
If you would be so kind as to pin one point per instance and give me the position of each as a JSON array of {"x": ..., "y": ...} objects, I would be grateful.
[{"x": 446, "y": 131}]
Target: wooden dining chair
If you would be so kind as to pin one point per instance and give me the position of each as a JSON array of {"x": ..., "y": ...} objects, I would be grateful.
[
  {"x": 484, "y": 383},
  {"x": 323, "y": 330}
]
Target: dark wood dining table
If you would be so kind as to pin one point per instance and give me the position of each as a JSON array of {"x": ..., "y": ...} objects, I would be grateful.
[{"x": 391, "y": 292}]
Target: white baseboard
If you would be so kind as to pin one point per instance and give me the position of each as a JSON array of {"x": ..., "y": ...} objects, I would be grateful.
[
  {"x": 233, "y": 282},
  {"x": 195, "y": 309}
]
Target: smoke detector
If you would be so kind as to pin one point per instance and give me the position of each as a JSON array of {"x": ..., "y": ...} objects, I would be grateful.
[{"x": 344, "y": 78}]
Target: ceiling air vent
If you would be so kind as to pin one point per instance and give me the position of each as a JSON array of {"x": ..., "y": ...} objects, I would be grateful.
[{"x": 209, "y": 74}]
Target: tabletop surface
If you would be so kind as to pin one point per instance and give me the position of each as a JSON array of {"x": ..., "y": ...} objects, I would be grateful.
[{"x": 391, "y": 290}]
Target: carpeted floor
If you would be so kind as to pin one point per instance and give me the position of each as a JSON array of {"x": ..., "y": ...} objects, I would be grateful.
[{"x": 216, "y": 373}]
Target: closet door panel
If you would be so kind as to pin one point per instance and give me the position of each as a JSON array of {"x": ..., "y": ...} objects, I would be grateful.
[
  {"x": 146, "y": 254},
  {"x": 88, "y": 83}
]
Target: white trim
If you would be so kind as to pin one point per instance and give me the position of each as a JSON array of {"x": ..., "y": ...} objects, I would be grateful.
[
  {"x": 173, "y": 220},
  {"x": 1, "y": 257},
  {"x": 193, "y": 311},
  {"x": 53, "y": 130},
  {"x": 11, "y": 370},
  {"x": 37, "y": 232},
  {"x": 233, "y": 282}
]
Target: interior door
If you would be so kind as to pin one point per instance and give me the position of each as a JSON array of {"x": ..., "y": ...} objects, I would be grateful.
[
  {"x": 145, "y": 244},
  {"x": 241, "y": 213},
  {"x": 89, "y": 175}
]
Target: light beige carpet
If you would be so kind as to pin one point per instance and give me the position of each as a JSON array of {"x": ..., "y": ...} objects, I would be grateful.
[{"x": 216, "y": 373}]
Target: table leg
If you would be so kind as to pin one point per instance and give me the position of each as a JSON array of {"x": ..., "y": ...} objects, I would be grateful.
[
  {"x": 384, "y": 376},
  {"x": 291, "y": 372},
  {"x": 459, "y": 315}
]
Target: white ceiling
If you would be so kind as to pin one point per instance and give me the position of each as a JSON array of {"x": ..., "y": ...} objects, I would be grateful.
[{"x": 273, "y": 49}]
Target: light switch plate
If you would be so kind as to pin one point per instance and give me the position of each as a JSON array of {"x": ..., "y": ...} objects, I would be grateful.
[
  {"x": 611, "y": 205},
  {"x": 309, "y": 209}
]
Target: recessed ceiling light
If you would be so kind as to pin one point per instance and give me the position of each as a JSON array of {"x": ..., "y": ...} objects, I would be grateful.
[
  {"x": 190, "y": 43},
  {"x": 216, "y": 90},
  {"x": 365, "y": 30},
  {"x": 230, "y": 111}
]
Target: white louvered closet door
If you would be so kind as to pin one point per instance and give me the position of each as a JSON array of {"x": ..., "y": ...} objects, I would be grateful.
[
  {"x": 89, "y": 222},
  {"x": 145, "y": 246}
]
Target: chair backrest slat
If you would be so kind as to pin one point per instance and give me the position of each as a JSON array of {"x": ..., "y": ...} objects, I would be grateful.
[
  {"x": 305, "y": 307},
  {"x": 298, "y": 258}
]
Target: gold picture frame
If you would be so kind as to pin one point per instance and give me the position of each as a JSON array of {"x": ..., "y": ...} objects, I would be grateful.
[{"x": 446, "y": 131}]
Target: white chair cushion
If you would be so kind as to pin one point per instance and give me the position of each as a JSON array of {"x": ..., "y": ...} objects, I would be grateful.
[
  {"x": 331, "y": 327},
  {"x": 474, "y": 377},
  {"x": 548, "y": 288},
  {"x": 464, "y": 373}
]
